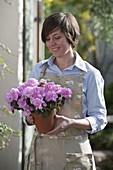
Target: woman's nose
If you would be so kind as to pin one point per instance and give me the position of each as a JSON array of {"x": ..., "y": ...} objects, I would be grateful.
[{"x": 52, "y": 41}]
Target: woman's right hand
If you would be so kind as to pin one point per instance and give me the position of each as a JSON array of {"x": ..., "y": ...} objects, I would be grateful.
[{"x": 30, "y": 120}]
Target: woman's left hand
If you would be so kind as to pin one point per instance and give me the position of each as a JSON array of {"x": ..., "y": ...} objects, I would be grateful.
[{"x": 61, "y": 124}]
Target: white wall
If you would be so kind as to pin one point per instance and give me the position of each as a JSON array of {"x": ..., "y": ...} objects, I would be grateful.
[{"x": 9, "y": 157}]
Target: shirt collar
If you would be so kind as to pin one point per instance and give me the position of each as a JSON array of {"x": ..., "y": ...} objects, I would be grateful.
[
  {"x": 79, "y": 62},
  {"x": 51, "y": 60}
]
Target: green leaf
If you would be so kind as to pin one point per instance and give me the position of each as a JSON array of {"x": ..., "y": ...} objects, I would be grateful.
[{"x": 1, "y": 60}]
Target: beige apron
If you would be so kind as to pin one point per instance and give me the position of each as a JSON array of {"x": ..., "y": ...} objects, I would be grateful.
[{"x": 69, "y": 150}]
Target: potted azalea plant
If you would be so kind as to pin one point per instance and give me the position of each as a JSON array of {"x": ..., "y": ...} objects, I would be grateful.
[{"x": 38, "y": 98}]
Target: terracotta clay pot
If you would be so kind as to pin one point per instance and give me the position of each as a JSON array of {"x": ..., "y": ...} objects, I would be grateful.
[{"x": 44, "y": 124}]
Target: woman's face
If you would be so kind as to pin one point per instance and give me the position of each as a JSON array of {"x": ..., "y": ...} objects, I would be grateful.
[{"x": 57, "y": 44}]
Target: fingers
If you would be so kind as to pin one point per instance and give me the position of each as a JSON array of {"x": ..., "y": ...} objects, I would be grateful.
[
  {"x": 61, "y": 124},
  {"x": 54, "y": 131},
  {"x": 30, "y": 120}
]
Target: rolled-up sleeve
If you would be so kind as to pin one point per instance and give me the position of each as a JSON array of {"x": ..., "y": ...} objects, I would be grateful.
[{"x": 94, "y": 108}]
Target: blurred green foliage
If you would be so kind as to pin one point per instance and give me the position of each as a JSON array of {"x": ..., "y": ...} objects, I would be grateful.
[
  {"x": 103, "y": 19},
  {"x": 94, "y": 17},
  {"x": 103, "y": 140},
  {"x": 5, "y": 131},
  {"x": 5, "y": 53},
  {"x": 109, "y": 98},
  {"x": 106, "y": 164}
]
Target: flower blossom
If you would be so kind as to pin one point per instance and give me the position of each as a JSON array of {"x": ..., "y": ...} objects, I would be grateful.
[
  {"x": 66, "y": 92},
  {"x": 32, "y": 82},
  {"x": 13, "y": 94},
  {"x": 51, "y": 96},
  {"x": 37, "y": 96},
  {"x": 28, "y": 91}
]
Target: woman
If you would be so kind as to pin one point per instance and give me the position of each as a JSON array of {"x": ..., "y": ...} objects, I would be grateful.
[{"x": 67, "y": 147}]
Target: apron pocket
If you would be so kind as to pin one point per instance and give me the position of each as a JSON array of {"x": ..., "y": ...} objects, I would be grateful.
[{"x": 78, "y": 161}]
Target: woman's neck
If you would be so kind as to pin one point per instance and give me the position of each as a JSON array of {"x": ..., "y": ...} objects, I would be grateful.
[{"x": 63, "y": 63}]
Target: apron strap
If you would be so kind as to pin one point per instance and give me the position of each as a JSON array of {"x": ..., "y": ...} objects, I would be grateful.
[
  {"x": 81, "y": 75},
  {"x": 42, "y": 73}
]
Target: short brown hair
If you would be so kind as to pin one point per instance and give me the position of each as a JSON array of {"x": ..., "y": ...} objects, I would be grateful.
[{"x": 66, "y": 22}]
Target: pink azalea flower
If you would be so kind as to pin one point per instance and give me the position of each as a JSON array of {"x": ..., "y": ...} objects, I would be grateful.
[
  {"x": 26, "y": 113},
  {"x": 37, "y": 103},
  {"x": 37, "y": 96},
  {"x": 13, "y": 94},
  {"x": 22, "y": 102},
  {"x": 21, "y": 87},
  {"x": 51, "y": 96},
  {"x": 28, "y": 91},
  {"x": 66, "y": 92},
  {"x": 49, "y": 86},
  {"x": 10, "y": 107},
  {"x": 42, "y": 81},
  {"x": 38, "y": 92},
  {"x": 32, "y": 82}
]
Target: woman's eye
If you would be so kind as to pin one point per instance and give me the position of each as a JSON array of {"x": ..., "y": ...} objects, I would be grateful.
[
  {"x": 47, "y": 39},
  {"x": 57, "y": 38}
]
